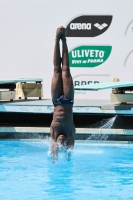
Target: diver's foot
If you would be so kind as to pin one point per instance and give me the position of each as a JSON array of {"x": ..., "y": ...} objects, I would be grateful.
[
  {"x": 59, "y": 33},
  {"x": 63, "y": 35}
]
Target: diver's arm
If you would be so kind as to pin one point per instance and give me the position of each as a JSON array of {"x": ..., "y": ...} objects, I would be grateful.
[
  {"x": 53, "y": 145},
  {"x": 71, "y": 140},
  {"x": 54, "y": 152}
]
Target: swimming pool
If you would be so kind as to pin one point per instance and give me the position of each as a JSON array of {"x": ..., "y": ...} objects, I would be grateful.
[{"x": 96, "y": 171}]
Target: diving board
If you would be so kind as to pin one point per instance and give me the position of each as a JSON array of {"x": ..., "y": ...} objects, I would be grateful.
[
  {"x": 106, "y": 85},
  {"x": 20, "y": 88},
  {"x": 119, "y": 90},
  {"x": 21, "y": 80}
]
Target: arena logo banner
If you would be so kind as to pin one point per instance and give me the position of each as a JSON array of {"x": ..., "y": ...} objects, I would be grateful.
[
  {"x": 88, "y": 25},
  {"x": 89, "y": 56}
]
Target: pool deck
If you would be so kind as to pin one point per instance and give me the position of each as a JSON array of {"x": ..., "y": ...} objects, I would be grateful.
[{"x": 86, "y": 106}]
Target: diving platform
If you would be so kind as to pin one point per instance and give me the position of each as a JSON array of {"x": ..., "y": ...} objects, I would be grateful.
[
  {"x": 122, "y": 85},
  {"x": 122, "y": 91},
  {"x": 21, "y": 88}
]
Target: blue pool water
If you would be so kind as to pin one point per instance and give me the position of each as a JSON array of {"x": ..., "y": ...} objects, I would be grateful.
[{"x": 96, "y": 171}]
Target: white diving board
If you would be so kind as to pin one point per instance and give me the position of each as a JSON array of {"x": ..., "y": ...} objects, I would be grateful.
[
  {"x": 119, "y": 90},
  {"x": 106, "y": 85},
  {"x": 20, "y": 80}
]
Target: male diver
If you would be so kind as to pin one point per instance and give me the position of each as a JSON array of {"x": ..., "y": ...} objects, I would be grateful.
[{"x": 62, "y": 128}]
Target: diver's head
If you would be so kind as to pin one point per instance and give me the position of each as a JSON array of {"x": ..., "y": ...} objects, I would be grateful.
[{"x": 61, "y": 140}]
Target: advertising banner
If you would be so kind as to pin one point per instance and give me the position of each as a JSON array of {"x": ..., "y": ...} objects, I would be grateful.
[
  {"x": 88, "y": 26},
  {"x": 89, "y": 56}
]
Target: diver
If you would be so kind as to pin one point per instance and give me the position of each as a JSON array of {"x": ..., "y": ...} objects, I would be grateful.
[{"x": 62, "y": 128}]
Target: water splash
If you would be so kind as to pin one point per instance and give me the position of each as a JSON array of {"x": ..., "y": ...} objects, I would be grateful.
[
  {"x": 107, "y": 125},
  {"x": 61, "y": 153}
]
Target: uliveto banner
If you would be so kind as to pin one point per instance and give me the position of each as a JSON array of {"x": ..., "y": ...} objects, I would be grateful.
[{"x": 89, "y": 56}]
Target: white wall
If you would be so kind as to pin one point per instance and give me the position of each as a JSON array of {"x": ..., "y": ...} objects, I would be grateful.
[{"x": 27, "y": 33}]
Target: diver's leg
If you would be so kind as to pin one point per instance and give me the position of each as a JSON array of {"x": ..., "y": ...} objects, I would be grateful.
[
  {"x": 56, "y": 85},
  {"x": 68, "y": 89}
]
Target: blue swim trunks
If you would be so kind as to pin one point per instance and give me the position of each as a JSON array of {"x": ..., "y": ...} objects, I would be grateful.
[{"x": 63, "y": 100}]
